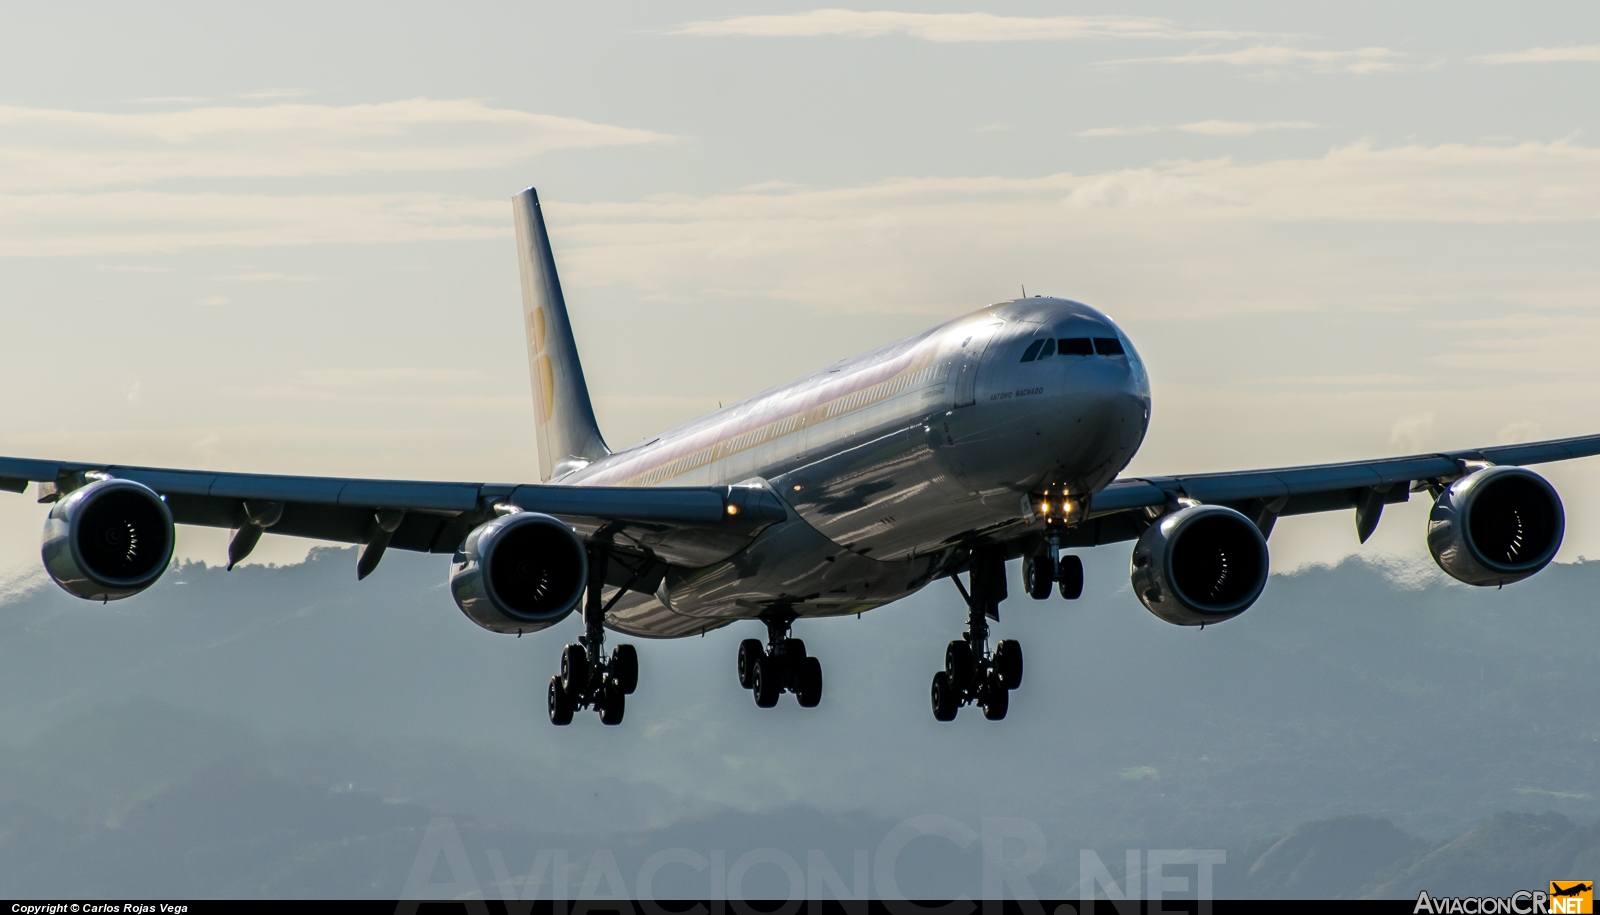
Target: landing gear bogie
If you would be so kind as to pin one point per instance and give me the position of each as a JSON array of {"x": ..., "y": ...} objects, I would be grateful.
[
  {"x": 590, "y": 678},
  {"x": 972, "y": 674},
  {"x": 780, "y": 666}
]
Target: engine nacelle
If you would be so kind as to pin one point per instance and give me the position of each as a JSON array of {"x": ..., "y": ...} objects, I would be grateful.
[
  {"x": 1202, "y": 564},
  {"x": 1496, "y": 526},
  {"x": 519, "y": 573},
  {"x": 108, "y": 540}
]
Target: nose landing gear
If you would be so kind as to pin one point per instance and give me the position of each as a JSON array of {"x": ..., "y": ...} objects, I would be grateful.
[
  {"x": 588, "y": 678},
  {"x": 972, "y": 675},
  {"x": 781, "y": 666}
]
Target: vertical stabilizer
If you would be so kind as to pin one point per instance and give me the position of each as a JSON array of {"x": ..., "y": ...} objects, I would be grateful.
[{"x": 568, "y": 434}]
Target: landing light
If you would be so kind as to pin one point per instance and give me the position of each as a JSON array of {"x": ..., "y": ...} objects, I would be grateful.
[{"x": 733, "y": 509}]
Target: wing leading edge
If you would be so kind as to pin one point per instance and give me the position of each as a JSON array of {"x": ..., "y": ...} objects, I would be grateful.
[{"x": 1265, "y": 495}]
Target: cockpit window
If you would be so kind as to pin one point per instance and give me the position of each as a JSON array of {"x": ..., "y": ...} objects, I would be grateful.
[
  {"x": 1074, "y": 346},
  {"x": 1032, "y": 352},
  {"x": 1049, "y": 349},
  {"x": 1108, "y": 346}
]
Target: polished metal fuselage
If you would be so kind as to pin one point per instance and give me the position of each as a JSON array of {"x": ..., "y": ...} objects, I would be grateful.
[{"x": 890, "y": 462}]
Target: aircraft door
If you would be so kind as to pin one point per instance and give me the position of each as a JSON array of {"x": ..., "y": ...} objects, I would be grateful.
[{"x": 969, "y": 356}]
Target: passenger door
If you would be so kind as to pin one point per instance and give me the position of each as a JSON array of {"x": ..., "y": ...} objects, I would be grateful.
[{"x": 969, "y": 357}]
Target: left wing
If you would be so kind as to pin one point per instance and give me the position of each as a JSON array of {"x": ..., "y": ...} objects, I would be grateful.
[
  {"x": 689, "y": 525},
  {"x": 1264, "y": 495}
]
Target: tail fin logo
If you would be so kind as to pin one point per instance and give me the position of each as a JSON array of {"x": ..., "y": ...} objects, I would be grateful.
[{"x": 544, "y": 374}]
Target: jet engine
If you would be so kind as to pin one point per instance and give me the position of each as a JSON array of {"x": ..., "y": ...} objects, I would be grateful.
[
  {"x": 519, "y": 573},
  {"x": 1496, "y": 526},
  {"x": 1202, "y": 564},
  {"x": 108, "y": 540}
]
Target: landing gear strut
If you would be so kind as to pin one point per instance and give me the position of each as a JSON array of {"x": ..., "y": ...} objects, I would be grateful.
[
  {"x": 780, "y": 666},
  {"x": 588, "y": 678},
  {"x": 972, "y": 675}
]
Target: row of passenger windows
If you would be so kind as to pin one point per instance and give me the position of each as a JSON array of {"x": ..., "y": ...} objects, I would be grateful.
[{"x": 1073, "y": 346}]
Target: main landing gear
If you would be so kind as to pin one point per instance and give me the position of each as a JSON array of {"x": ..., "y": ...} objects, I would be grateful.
[
  {"x": 781, "y": 666},
  {"x": 589, "y": 679},
  {"x": 971, "y": 675}
]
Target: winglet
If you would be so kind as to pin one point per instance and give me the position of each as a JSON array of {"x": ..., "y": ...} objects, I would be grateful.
[{"x": 568, "y": 434}]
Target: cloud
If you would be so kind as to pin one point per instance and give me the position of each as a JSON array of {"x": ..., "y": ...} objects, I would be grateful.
[
  {"x": 902, "y": 244},
  {"x": 345, "y": 378},
  {"x": 266, "y": 278},
  {"x": 1208, "y": 128},
  {"x": 54, "y": 149},
  {"x": 761, "y": 237},
  {"x": 1589, "y": 53},
  {"x": 1361, "y": 60},
  {"x": 119, "y": 222},
  {"x": 1241, "y": 128},
  {"x": 946, "y": 27},
  {"x": 214, "y": 300}
]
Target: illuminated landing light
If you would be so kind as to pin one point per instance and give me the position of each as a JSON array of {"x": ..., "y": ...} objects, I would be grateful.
[{"x": 733, "y": 509}]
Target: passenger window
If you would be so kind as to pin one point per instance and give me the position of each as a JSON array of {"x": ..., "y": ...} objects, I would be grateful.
[
  {"x": 1032, "y": 351},
  {"x": 1074, "y": 346},
  {"x": 1108, "y": 346},
  {"x": 1049, "y": 349}
]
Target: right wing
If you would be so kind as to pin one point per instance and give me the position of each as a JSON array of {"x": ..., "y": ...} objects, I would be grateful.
[{"x": 678, "y": 525}]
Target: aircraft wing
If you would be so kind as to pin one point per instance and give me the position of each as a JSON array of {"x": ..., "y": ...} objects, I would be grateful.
[
  {"x": 1264, "y": 495},
  {"x": 678, "y": 525}
]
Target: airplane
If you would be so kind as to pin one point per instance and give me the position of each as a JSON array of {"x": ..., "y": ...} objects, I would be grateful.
[
  {"x": 1577, "y": 889},
  {"x": 999, "y": 435}
]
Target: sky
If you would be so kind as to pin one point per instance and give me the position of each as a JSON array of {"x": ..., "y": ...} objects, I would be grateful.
[{"x": 277, "y": 237}]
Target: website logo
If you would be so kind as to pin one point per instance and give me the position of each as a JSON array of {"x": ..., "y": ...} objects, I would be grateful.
[{"x": 1571, "y": 897}]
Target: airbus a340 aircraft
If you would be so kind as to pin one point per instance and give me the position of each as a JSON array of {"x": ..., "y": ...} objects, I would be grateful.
[{"x": 992, "y": 437}]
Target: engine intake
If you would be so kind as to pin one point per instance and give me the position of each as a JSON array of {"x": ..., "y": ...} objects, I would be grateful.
[
  {"x": 1497, "y": 526},
  {"x": 108, "y": 540},
  {"x": 519, "y": 573},
  {"x": 1202, "y": 564}
]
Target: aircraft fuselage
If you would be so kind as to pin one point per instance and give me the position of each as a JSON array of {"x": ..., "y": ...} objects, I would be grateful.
[{"x": 890, "y": 459}]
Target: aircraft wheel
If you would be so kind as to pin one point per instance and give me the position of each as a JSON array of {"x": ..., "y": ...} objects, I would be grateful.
[
  {"x": 625, "y": 668},
  {"x": 1038, "y": 575},
  {"x": 1008, "y": 663},
  {"x": 574, "y": 669},
  {"x": 749, "y": 650},
  {"x": 559, "y": 702},
  {"x": 612, "y": 704},
  {"x": 810, "y": 683},
  {"x": 944, "y": 697},
  {"x": 1069, "y": 577},
  {"x": 767, "y": 683},
  {"x": 794, "y": 654},
  {"x": 997, "y": 700},
  {"x": 958, "y": 664}
]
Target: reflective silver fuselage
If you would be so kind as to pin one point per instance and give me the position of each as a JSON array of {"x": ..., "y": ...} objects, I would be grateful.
[{"x": 889, "y": 461}]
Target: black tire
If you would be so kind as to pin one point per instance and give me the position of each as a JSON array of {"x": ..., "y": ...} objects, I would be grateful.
[
  {"x": 767, "y": 684},
  {"x": 1008, "y": 663},
  {"x": 1038, "y": 575},
  {"x": 560, "y": 704},
  {"x": 810, "y": 693},
  {"x": 944, "y": 698},
  {"x": 625, "y": 668},
  {"x": 1069, "y": 577},
  {"x": 612, "y": 704},
  {"x": 794, "y": 655},
  {"x": 574, "y": 669},
  {"x": 749, "y": 650},
  {"x": 997, "y": 699},
  {"x": 958, "y": 664}
]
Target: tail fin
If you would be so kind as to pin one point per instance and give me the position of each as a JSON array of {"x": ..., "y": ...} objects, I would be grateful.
[{"x": 568, "y": 434}]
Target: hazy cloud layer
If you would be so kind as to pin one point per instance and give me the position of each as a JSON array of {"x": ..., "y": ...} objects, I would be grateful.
[
  {"x": 52, "y": 149},
  {"x": 1589, "y": 53},
  {"x": 946, "y": 27},
  {"x": 1211, "y": 128},
  {"x": 840, "y": 244},
  {"x": 634, "y": 242},
  {"x": 1360, "y": 60}
]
